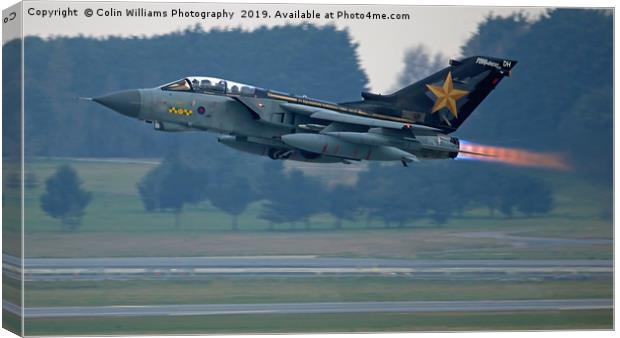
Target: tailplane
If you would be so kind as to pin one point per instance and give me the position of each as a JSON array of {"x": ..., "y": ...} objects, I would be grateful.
[{"x": 447, "y": 98}]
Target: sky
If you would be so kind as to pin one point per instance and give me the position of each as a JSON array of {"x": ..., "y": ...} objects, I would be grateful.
[{"x": 381, "y": 43}]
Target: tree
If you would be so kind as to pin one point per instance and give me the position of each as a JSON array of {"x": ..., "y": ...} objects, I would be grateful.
[
  {"x": 170, "y": 186},
  {"x": 419, "y": 63},
  {"x": 537, "y": 197},
  {"x": 291, "y": 198},
  {"x": 393, "y": 195},
  {"x": 64, "y": 197},
  {"x": 232, "y": 195},
  {"x": 508, "y": 190},
  {"x": 574, "y": 116},
  {"x": 343, "y": 204}
]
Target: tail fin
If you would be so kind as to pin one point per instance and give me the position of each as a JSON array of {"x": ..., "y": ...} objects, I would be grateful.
[{"x": 447, "y": 98}]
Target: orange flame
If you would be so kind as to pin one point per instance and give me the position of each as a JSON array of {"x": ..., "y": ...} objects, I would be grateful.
[{"x": 512, "y": 156}]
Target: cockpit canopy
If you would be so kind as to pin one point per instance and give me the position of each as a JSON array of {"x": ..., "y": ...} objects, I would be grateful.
[{"x": 210, "y": 85}]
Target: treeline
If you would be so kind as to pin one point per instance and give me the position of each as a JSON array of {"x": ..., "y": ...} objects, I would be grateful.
[
  {"x": 560, "y": 95},
  {"x": 316, "y": 61},
  {"x": 389, "y": 194}
]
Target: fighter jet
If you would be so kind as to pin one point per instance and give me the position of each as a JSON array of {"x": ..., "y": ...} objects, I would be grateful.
[{"x": 408, "y": 125}]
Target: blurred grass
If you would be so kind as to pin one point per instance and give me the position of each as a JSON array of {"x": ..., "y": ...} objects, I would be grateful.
[
  {"x": 11, "y": 290},
  {"x": 11, "y": 322},
  {"x": 11, "y": 208},
  {"x": 357, "y": 322},
  {"x": 314, "y": 289}
]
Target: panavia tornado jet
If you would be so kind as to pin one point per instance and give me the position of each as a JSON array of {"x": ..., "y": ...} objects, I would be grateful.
[{"x": 411, "y": 124}]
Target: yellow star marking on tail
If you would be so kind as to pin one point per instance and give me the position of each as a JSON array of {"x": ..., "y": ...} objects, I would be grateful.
[{"x": 446, "y": 95}]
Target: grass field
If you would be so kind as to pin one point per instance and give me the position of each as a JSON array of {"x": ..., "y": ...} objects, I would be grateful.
[
  {"x": 115, "y": 224},
  {"x": 284, "y": 290},
  {"x": 366, "y": 322},
  {"x": 11, "y": 290},
  {"x": 11, "y": 210},
  {"x": 401, "y": 243},
  {"x": 11, "y": 322}
]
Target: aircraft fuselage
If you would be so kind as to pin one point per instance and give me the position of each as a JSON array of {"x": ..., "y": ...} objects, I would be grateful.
[{"x": 410, "y": 124}]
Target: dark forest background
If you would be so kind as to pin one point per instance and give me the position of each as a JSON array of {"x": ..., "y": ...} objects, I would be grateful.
[
  {"x": 559, "y": 99},
  {"x": 318, "y": 62}
]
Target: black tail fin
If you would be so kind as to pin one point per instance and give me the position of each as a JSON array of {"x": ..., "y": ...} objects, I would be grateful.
[{"x": 447, "y": 98}]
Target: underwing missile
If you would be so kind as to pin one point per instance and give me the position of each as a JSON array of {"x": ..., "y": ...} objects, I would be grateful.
[
  {"x": 333, "y": 146},
  {"x": 413, "y": 122}
]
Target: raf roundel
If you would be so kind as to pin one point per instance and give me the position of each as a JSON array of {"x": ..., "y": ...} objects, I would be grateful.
[{"x": 201, "y": 110}]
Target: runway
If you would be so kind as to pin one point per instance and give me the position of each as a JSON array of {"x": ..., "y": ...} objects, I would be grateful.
[
  {"x": 186, "y": 268},
  {"x": 309, "y": 308}
]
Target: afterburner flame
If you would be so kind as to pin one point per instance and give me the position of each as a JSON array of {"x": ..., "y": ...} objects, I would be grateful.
[{"x": 517, "y": 157}]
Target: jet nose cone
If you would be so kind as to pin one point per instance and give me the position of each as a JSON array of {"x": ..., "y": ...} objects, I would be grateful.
[{"x": 127, "y": 102}]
